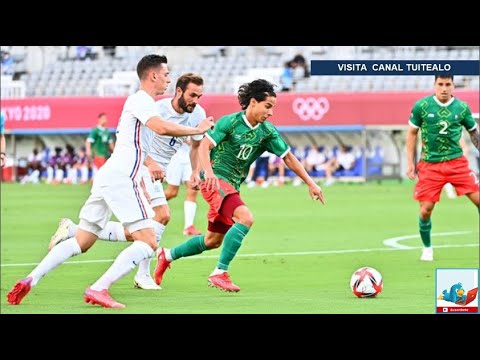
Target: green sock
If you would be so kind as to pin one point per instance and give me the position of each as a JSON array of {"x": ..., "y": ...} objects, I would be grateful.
[
  {"x": 231, "y": 244},
  {"x": 195, "y": 245},
  {"x": 425, "y": 229}
]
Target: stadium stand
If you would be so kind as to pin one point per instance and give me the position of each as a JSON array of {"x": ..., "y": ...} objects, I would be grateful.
[
  {"x": 46, "y": 69},
  {"x": 58, "y": 71}
]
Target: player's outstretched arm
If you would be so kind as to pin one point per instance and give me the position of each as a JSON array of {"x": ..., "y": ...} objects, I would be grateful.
[
  {"x": 162, "y": 127},
  {"x": 292, "y": 162}
]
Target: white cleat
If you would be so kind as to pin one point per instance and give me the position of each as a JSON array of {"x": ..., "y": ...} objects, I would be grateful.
[
  {"x": 145, "y": 282},
  {"x": 427, "y": 254},
  {"x": 61, "y": 234}
]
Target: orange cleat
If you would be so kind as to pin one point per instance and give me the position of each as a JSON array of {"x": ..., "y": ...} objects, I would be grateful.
[
  {"x": 222, "y": 281},
  {"x": 162, "y": 266},
  {"x": 101, "y": 298},
  {"x": 19, "y": 291}
]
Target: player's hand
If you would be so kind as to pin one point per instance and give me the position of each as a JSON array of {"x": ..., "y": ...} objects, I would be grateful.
[
  {"x": 211, "y": 182},
  {"x": 206, "y": 125},
  {"x": 195, "y": 181},
  {"x": 411, "y": 171},
  {"x": 156, "y": 171},
  {"x": 3, "y": 159},
  {"x": 316, "y": 193}
]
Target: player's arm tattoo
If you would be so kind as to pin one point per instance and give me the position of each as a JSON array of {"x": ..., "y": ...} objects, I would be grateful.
[{"x": 474, "y": 137}]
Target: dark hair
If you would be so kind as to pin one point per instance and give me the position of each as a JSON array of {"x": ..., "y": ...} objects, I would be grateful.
[
  {"x": 258, "y": 89},
  {"x": 148, "y": 62},
  {"x": 187, "y": 78},
  {"x": 102, "y": 114},
  {"x": 444, "y": 76}
]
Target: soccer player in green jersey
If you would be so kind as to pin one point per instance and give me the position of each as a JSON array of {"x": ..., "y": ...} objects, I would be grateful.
[
  {"x": 99, "y": 143},
  {"x": 225, "y": 155},
  {"x": 441, "y": 118}
]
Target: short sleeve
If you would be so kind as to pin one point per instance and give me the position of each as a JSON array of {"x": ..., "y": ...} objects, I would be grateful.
[
  {"x": 221, "y": 129},
  {"x": 416, "y": 116}
]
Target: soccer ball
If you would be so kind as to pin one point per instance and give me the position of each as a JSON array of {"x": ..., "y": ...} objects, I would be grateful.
[{"x": 366, "y": 282}]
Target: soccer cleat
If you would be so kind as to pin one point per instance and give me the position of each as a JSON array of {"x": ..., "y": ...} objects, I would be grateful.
[
  {"x": 427, "y": 254},
  {"x": 101, "y": 298},
  {"x": 162, "y": 266},
  {"x": 222, "y": 281},
  {"x": 191, "y": 230},
  {"x": 145, "y": 282},
  {"x": 61, "y": 234},
  {"x": 19, "y": 291}
]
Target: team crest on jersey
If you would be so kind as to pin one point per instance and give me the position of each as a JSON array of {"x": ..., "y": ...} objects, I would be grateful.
[{"x": 250, "y": 135}]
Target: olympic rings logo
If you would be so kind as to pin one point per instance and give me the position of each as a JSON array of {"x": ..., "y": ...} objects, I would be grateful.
[{"x": 310, "y": 108}]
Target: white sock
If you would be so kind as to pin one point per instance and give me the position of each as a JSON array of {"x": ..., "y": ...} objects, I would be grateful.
[
  {"x": 189, "y": 208},
  {"x": 49, "y": 174},
  {"x": 84, "y": 174},
  {"x": 125, "y": 262},
  {"x": 217, "y": 271},
  {"x": 168, "y": 255},
  {"x": 73, "y": 175},
  {"x": 144, "y": 266},
  {"x": 113, "y": 231},
  {"x": 61, "y": 252},
  {"x": 35, "y": 176},
  {"x": 59, "y": 174},
  {"x": 72, "y": 229}
]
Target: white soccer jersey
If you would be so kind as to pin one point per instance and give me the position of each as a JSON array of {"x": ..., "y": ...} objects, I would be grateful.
[
  {"x": 133, "y": 138},
  {"x": 183, "y": 154},
  {"x": 164, "y": 147}
]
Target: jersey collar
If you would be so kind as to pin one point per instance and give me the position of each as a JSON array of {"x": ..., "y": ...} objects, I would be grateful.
[
  {"x": 172, "y": 110},
  {"x": 248, "y": 124},
  {"x": 442, "y": 104}
]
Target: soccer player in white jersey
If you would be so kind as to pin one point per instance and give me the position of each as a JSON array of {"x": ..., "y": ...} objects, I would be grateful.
[
  {"x": 116, "y": 189},
  {"x": 179, "y": 171},
  {"x": 183, "y": 109}
]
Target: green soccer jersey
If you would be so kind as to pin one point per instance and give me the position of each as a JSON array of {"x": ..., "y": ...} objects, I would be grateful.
[
  {"x": 238, "y": 145},
  {"x": 441, "y": 126},
  {"x": 100, "y": 139}
]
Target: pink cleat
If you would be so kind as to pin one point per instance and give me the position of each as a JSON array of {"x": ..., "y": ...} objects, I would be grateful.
[
  {"x": 101, "y": 298},
  {"x": 191, "y": 230},
  {"x": 19, "y": 291},
  {"x": 222, "y": 281},
  {"x": 162, "y": 266}
]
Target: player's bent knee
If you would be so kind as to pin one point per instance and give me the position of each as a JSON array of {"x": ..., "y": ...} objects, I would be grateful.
[
  {"x": 87, "y": 234},
  {"x": 213, "y": 242},
  {"x": 143, "y": 230},
  {"x": 163, "y": 219},
  {"x": 90, "y": 227}
]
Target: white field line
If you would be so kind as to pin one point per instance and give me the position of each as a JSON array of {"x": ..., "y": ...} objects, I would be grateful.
[
  {"x": 393, "y": 242},
  {"x": 298, "y": 253}
]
